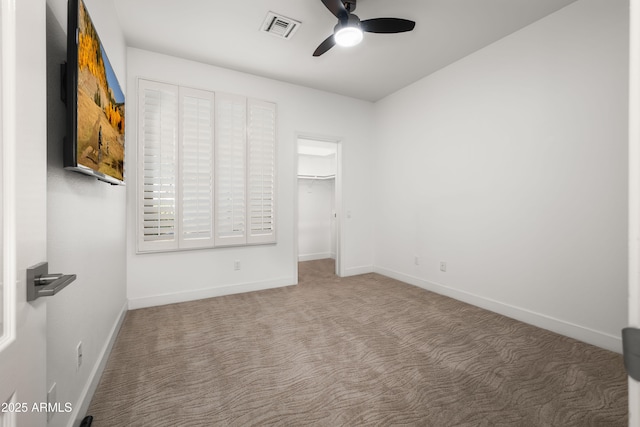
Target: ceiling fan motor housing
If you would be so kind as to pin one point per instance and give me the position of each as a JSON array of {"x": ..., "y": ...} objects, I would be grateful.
[
  {"x": 353, "y": 21},
  {"x": 350, "y": 5}
]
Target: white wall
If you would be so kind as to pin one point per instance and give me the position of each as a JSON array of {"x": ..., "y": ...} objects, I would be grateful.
[
  {"x": 510, "y": 165},
  {"x": 316, "y": 165},
  {"x": 316, "y": 205},
  {"x": 86, "y": 233},
  {"x": 161, "y": 278},
  {"x": 315, "y": 219}
]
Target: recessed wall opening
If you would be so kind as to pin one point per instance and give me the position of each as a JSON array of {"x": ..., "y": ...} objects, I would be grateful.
[{"x": 318, "y": 201}]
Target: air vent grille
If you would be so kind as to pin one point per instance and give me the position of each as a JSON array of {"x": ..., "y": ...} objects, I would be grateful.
[{"x": 280, "y": 26}]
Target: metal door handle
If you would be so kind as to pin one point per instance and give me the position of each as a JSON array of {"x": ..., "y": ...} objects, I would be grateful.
[{"x": 42, "y": 284}]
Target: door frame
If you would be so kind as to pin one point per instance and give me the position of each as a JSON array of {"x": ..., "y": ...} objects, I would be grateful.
[
  {"x": 23, "y": 360},
  {"x": 634, "y": 194},
  {"x": 7, "y": 157},
  {"x": 338, "y": 200}
]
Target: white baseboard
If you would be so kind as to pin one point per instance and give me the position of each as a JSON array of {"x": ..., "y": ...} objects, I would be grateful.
[
  {"x": 355, "y": 271},
  {"x": 313, "y": 257},
  {"x": 590, "y": 336},
  {"x": 163, "y": 299},
  {"x": 82, "y": 406}
]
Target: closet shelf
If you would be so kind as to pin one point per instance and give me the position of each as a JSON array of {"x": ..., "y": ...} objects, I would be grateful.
[{"x": 318, "y": 177}]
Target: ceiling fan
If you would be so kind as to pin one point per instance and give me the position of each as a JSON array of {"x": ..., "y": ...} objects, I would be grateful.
[{"x": 349, "y": 30}]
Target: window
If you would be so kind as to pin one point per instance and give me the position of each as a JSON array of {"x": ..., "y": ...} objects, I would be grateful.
[{"x": 206, "y": 169}]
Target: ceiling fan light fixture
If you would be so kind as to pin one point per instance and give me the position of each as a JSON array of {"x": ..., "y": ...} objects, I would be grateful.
[
  {"x": 349, "y": 29},
  {"x": 348, "y": 36}
]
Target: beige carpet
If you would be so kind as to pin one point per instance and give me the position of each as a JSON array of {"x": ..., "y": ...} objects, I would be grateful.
[{"x": 364, "y": 350}]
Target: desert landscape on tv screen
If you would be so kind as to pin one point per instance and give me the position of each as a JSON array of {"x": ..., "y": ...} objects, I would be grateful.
[{"x": 100, "y": 127}]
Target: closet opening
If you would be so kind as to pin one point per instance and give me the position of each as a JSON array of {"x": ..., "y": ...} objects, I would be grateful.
[{"x": 318, "y": 202}]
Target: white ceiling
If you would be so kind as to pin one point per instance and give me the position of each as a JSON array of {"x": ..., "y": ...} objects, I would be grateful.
[{"x": 227, "y": 34}]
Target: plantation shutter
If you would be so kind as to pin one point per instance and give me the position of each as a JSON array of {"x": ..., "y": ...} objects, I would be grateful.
[
  {"x": 261, "y": 142},
  {"x": 230, "y": 169},
  {"x": 196, "y": 167},
  {"x": 157, "y": 151},
  {"x": 206, "y": 169}
]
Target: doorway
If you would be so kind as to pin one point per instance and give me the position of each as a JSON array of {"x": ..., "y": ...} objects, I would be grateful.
[{"x": 318, "y": 200}]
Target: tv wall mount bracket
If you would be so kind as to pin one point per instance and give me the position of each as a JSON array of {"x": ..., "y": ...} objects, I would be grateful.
[{"x": 42, "y": 284}]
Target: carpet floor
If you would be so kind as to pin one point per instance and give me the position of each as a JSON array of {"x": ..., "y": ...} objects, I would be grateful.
[{"x": 362, "y": 350}]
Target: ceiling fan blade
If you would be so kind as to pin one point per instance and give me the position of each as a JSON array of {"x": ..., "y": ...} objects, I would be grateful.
[
  {"x": 387, "y": 25},
  {"x": 325, "y": 46},
  {"x": 337, "y": 8}
]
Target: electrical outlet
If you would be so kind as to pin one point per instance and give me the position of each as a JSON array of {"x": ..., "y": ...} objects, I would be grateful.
[
  {"x": 51, "y": 401},
  {"x": 78, "y": 356},
  {"x": 236, "y": 264},
  {"x": 443, "y": 266},
  {"x": 416, "y": 260}
]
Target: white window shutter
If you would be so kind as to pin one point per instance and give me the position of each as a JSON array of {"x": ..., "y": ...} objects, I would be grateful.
[
  {"x": 230, "y": 170},
  {"x": 157, "y": 159},
  {"x": 261, "y": 146},
  {"x": 196, "y": 168},
  {"x": 206, "y": 169}
]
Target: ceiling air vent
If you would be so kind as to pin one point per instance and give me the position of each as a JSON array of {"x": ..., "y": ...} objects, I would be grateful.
[{"x": 280, "y": 26}]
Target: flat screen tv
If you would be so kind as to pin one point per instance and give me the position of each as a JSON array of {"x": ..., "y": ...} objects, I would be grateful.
[{"x": 94, "y": 144}]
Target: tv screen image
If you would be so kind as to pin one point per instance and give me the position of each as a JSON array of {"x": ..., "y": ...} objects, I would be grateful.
[{"x": 97, "y": 124}]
